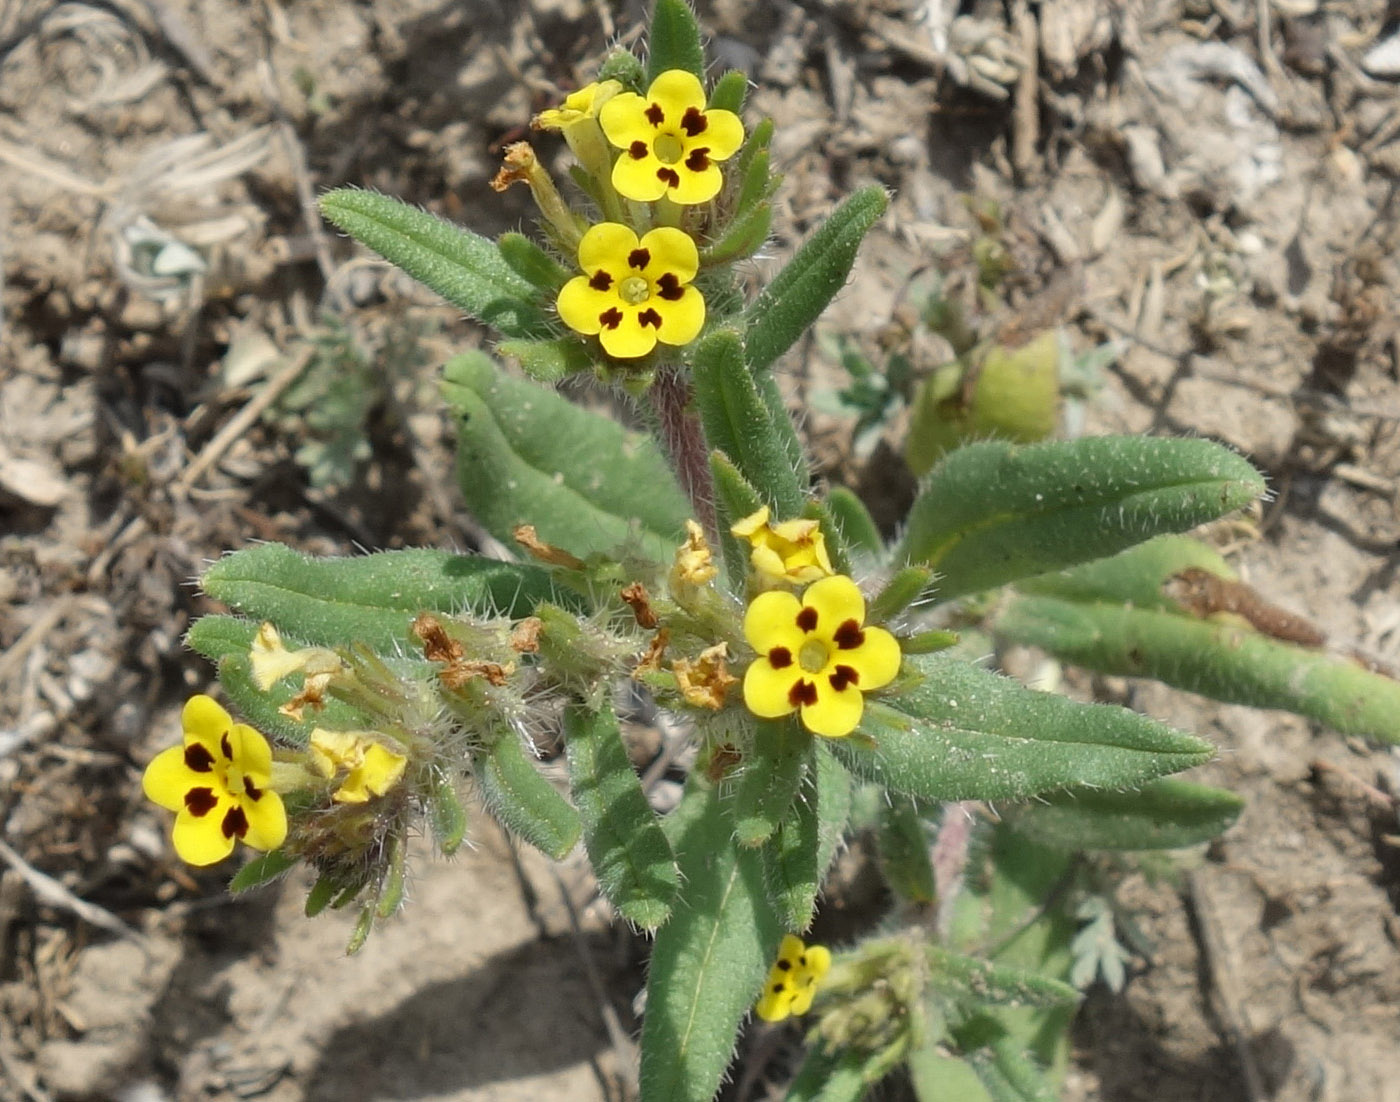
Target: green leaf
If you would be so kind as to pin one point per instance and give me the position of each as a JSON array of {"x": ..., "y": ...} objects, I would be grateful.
[
  {"x": 674, "y": 40},
  {"x": 1227, "y": 660},
  {"x": 938, "y": 1077},
  {"x": 320, "y": 895},
  {"x": 446, "y": 815},
  {"x": 966, "y": 734},
  {"x": 260, "y": 709},
  {"x": 1010, "y": 1074},
  {"x": 802, "y": 290},
  {"x": 532, "y": 264},
  {"x": 796, "y": 859},
  {"x": 858, "y": 527},
  {"x": 904, "y": 850},
  {"x": 260, "y": 870},
  {"x": 1132, "y": 577},
  {"x": 463, "y": 267},
  {"x": 991, "y": 513},
  {"x": 371, "y": 599},
  {"x": 982, "y": 983},
  {"x": 527, "y": 456},
  {"x": 740, "y": 423},
  {"x": 829, "y": 1078},
  {"x": 730, "y": 91},
  {"x": 771, "y": 776},
  {"x": 622, "y": 65},
  {"x": 631, "y": 857},
  {"x": 743, "y": 236},
  {"x": 904, "y": 588},
  {"x": 1165, "y": 814},
  {"x": 735, "y": 499},
  {"x": 548, "y": 361},
  {"x": 523, "y": 801},
  {"x": 710, "y": 958}
]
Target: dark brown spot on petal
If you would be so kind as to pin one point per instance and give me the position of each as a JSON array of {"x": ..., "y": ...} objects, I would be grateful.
[
  {"x": 784, "y": 964},
  {"x": 693, "y": 121},
  {"x": 802, "y": 692},
  {"x": 649, "y": 317},
  {"x": 200, "y": 801},
  {"x": 198, "y": 758},
  {"x": 254, "y": 792},
  {"x": 802, "y": 960},
  {"x": 669, "y": 176},
  {"x": 639, "y": 258},
  {"x": 842, "y": 676},
  {"x": 656, "y": 116},
  {"x": 600, "y": 280},
  {"x": 610, "y": 318},
  {"x": 780, "y": 658},
  {"x": 697, "y": 160},
  {"x": 669, "y": 286},
  {"x": 235, "y": 823},
  {"x": 807, "y": 619},
  {"x": 849, "y": 636},
  {"x": 638, "y": 150},
  {"x": 226, "y": 746}
]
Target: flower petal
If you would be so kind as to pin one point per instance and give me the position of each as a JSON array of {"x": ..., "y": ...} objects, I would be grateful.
[
  {"x": 636, "y": 178},
  {"x": 767, "y": 691},
  {"x": 199, "y": 839},
  {"x": 682, "y": 318},
  {"x": 624, "y": 120},
  {"x": 251, "y": 750},
  {"x": 724, "y": 133},
  {"x": 267, "y": 820},
  {"x": 629, "y": 338},
  {"x": 801, "y": 1000},
  {"x": 168, "y": 778},
  {"x": 205, "y": 722},
  {"x": 751, "y": 524},
  {"x": 673, "y": 251},
  {"x": 771, "y": 621},
  {"x": 836, "y": 713},
  {"x": 791, "y": 948},
  {"x": 675, "y": 91},
  {"x": 773, "y": 1006},
  {"x": 836, "y": 599},
  {"x": 606, "y": 245},
  {"x": 876, "y": 660},
  {"x": 581, "y": 305},
  {"x": 818, "y": 961},
  {"x": 695, "y": 187}
]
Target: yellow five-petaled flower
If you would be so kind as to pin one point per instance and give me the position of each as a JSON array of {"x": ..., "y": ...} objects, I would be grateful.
[
  {"x": 816, "y": 656},
  {"x": 791, "y": 552},
  {"x": 670, "y": 143},
  {"x": 793, "y": 980},
  {"x": 635, "y": 292},
  {"x": 218, "y": 784}
]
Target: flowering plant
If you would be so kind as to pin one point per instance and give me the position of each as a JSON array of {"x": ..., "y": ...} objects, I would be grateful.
[{"x": 815, "y": 667}]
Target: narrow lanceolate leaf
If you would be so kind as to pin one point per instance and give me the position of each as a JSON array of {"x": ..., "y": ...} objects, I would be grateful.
[
  {"x": 795, "y": 860},
  {"x": 1226, "y": 659},
  {"x": 771, "y": 775},
  {"x": 937, "y": 1076},
  {"x": 261, "y": 870},
  {"x": 446, "y": 816},
  {"x": 995, "y": 512},
  {"x": 1133, "y": 577},
  {"x": 744, "y": 235},
  {"x": 463, "y": 267},
  {"x": 730, "y": 91},
  {"x": 631, "y": 857},
  {"x": 522, "y": 800},
  {"x": 735, "y": 498},
  {"x": 1165, "y": 814},
  {"x": 740, "y": 423},
  {"x": 531, "y": 263},
  {"x": 371, "y": 599},
  {"x": 674, "y": 40},
  {"x": 1010, "y": 1074},
  {"x": 710, "y": 958},
  {"x": 823, "y": 1078},
  {"x": 548, "y": 361},
  {"x": 802, "y": 290},
  {"x": 904, "y": 850},
  {"x": 527, "y": 456},
  {"x": 966, "y": 734},
  {"x": 858, "y": 527},
  {"x": 982, "y": 983}
]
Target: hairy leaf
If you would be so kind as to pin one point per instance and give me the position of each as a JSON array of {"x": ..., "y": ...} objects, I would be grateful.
[{"x": 1165, "y": 814}]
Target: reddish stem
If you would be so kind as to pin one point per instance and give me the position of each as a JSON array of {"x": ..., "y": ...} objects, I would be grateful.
[{"x": 684, "y": 441}]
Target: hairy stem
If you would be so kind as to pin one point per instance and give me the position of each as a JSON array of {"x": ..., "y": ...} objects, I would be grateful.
[{"x": 684, "y": 441}]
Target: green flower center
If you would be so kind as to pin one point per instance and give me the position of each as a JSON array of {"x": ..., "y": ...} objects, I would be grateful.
[
  {"x": 634, "y": 290},
  {"x": 814, "y": 656},
  {"x": 668, "y": 149}
]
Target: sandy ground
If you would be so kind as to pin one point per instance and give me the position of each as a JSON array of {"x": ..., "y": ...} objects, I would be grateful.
[{"x": 1223, "y": 209}]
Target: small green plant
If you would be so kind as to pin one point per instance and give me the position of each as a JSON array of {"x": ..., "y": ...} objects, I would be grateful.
[{"x": 809, "y": 660}]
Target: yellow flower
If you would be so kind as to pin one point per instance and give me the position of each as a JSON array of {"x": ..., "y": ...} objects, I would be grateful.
[
  {"x": 578, "y": 107},
  {"x": 793, "y": 551},
  {"x": 793, "y": 980},
  {"x": 218, "y": 784},
  {"x": 670, "y": 144},
  {"x": 814, "y": 656},
  {"x": 634, "y": 293},
  {"x": 370, "y": 767}
]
